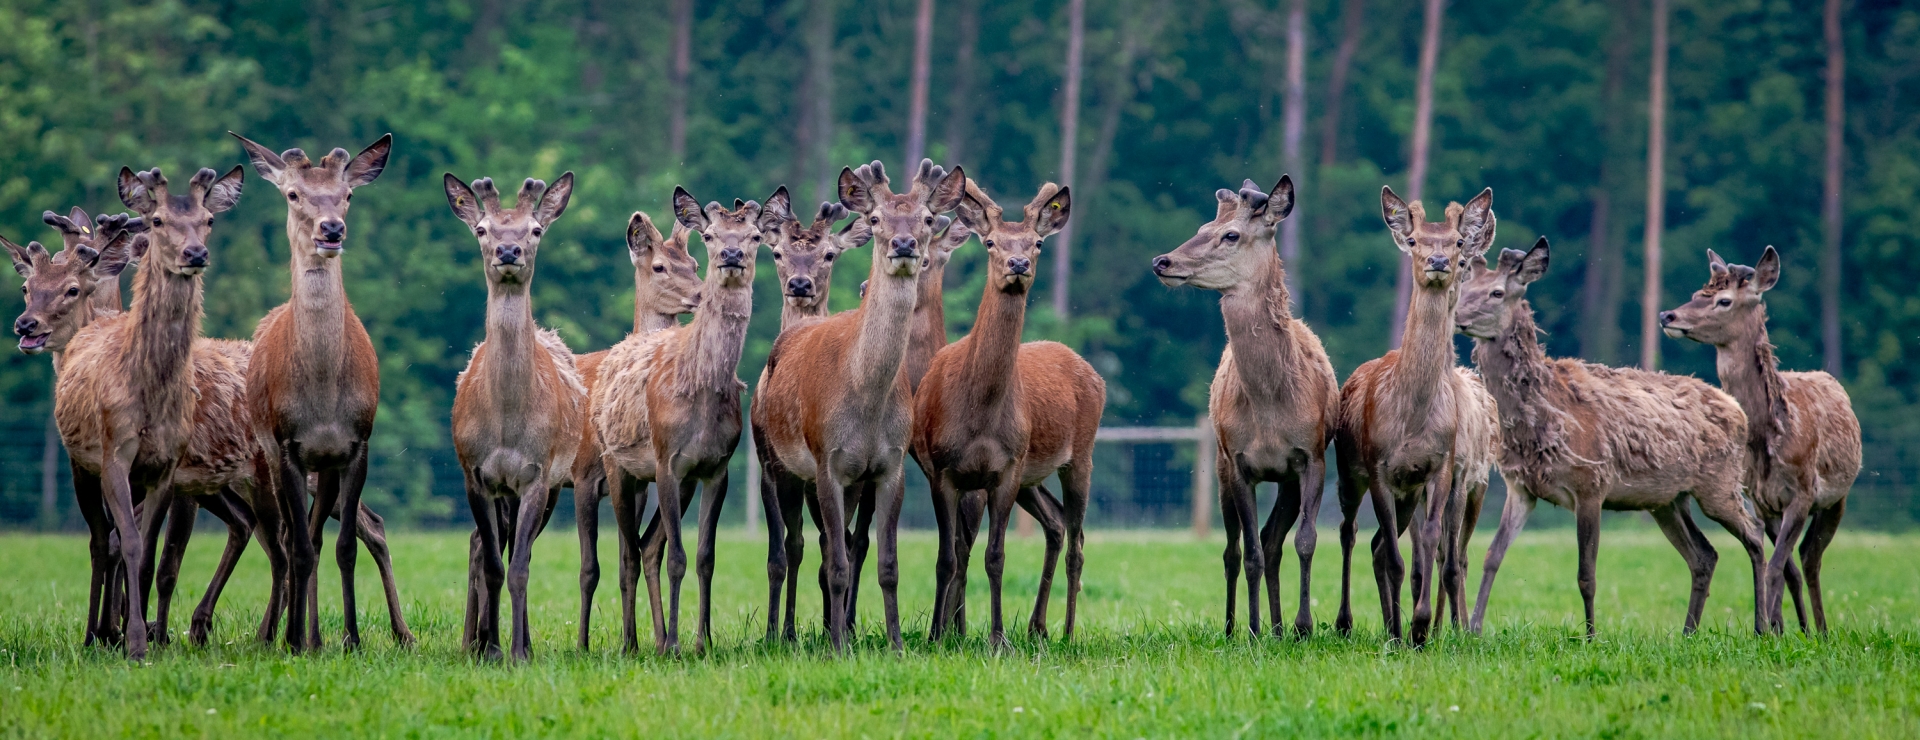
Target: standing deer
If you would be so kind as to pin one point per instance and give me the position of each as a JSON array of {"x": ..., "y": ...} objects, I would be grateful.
[
  {"x": 314, "y": 383},
  {"x": 1274, "y": 398},
  {"x": 669, "y": 412},
  {"x": 666, "y": 283},
  {"x": 124, "y": 400},
  {"x": 835, "y": 409},
  {"x": 1589, "y": 437},
  {"x": 516, "y": 408},
  {"x": 1401, "y": 418},
  {"x": 998, "y": 416},
  {"x": 1803, "y": 441}
]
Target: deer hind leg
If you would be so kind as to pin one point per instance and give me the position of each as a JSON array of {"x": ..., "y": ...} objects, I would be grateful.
[
  {"x": 946, "y": 515},
  {"x": 586, "y": 516},
  {"x": 229, "y": 507},
  {"x": 653, "y": 550},
  {"x": 1076, "y": 484},
  {"x": 622, "y": 488},
  {"x": 1678, "y": 526},
  {"x": 86, "y": 492},
  {"x": 1231, "y": 558},
  {"x": 1351, "y": 491},
  {"x": 769, "y": 494},
  {"x": 1045, "y": 509},
  {"x": 179, "y": 523},
  {"x": 1812, "y": 549},
  {"x": 711, "y": 503},
  {"x": 1793, "y": 581},
  {"x": 1273, "y": 540},
  {"x": 1727, "y": 508},
  {"x": 1513, "y": 516},
  {"x": 1312, "y": 485},
  {"x": 1476, "y": 495},
  {"x": 793, "y": 502}
]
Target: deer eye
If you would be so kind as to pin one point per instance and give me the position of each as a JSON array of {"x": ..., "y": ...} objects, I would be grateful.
[
  {"x": 293, "y": 196},
  {"x": 1498, "y": 293},
  {"x": 776, "y": 254},
  {"x": 479, "y": 231},
  {"x": 989, "y": 243},
  {"x": 349, "y": 196},
  {"x": 209, "y": 220},
  {"x": 756, "y": 238},
  {"x": 829, "y": 256},
  {"x": 157, "y": 221},
  {"x": 1459, "y": 242},
  {"x": 659, "y": 268},
  {"x": 1232, "y": 236},
  {"x": 929, "y": 220},
  {"x": 1725, "y": 302},
  {"x": 873, "y": 221},
  {"x": 73, "y": 291},
  {"x": 538, "y": 231}
]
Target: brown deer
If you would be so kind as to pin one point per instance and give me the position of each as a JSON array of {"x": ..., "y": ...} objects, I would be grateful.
[
  {"x": 836, "y": 407},
  {"x": 314, "y": 383},
  {"x": 666, "y": 283},
  {"x": 1400, "y": 416},
  {"x": 1588, "y": 437},
  {"x": 517, "y": 408},
  {"x": 1274, "y": 398},
  {"x": 124, "y": 400},
  {"x": 1803, "y": 441},
  {"x": 999, "y": 416},
  {"x": 669, "y": 412}
]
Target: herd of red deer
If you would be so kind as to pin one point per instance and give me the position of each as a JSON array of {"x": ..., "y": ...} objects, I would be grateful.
[{"x": 159, "y": 421}]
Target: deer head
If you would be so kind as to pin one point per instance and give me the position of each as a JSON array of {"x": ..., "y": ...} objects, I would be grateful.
[
  {"x": 509, "y": 237},
  {"x": 178, "y": 225},
  {"x": 1236, "y": 245},
  {"x": 1013, "y": 249},
  {"x": 318, "y": 193},
  {"x": 58, "y": 285},
  {"x": 1439, "y": 250},
  {"x": 733, "y": 237},
  {"x": 903, "y": 225},
  {"x": 1729, "y": 308},
  {"x": 666, "y": 279},
  {"x": 803, "y": 256},
  {"x": 1489, "y": 297}
]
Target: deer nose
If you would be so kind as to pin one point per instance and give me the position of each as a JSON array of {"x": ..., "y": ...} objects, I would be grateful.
[
  {"x": 26, "y": 326},
  {"x": 732, "y": 257},
  {"x": 1666, "y": 317},
  {"x": 508, "y": 254},
  {"x": 903, "y": 246},
  {"x": 1437, "y": 263},
  {"x": 194, "y": 256},
  {"x": 333, "y": 230},
  {"x": 1161, "y": 264},
  {"x": 800, "y": 285},
  {"x": 1019, "y": 265}
]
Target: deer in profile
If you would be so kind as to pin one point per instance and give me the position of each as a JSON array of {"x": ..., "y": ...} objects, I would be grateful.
[
  {"x": 668, "y": 412},
  {"x": 666, "y": 284},
  {"x": 313, "y": 384},
  {"x": 1400, "y": 416},
  {"x": 1803, "y": 440},
  {"x": 1274, "y": 397},
  {"x": 999, "y": 416},
  {"x": 1589, "y": 437},
  {"x": 517, "y": 408},
  {"x": 124, "y": 399},
  {"x": 836, "y": 406}
]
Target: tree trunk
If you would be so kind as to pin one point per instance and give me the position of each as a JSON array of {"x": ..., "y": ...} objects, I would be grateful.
[
  {"x": 1352, "y": 17},
  {"x": 1600, "y": 291},
  {"x": 1830, "y": 202},
  {"x": 1069, "y": 138},
  {"x": 917, "y": 91},
  {"x": 677, "y": 71},
  {"x": 1293, "y": 120},
  {"x": 960, "y": 96},
  {"x": 816, "y": 104},
  {"x": 1422, "y": 142},
  {"x": 1656, "y": 190}
]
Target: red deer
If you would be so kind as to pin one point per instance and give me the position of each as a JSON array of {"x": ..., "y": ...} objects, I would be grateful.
[
  {"x": 1274, "y": 398},
  {"x": 666, "y": 283},
  {"x": 124, "y": 400},
  {"x": 668, "y": 412},
  {"x": 517, "y": 408},
  {"x": 313, "y": 384},
  {"x": 998, "y": 416},
  {"x": 1588, "y": 437},
  {"x": 835, "y": 409},
  {"x": 1402, "y": 419},
  {"x": 1803, "y": 441}
]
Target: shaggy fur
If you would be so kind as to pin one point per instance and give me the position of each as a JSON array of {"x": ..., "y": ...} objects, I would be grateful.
[
  {"x": 999, "y": 417},
  {"x": 1273, "y": 399},
  {"x": 1803, "y": 440},
  {"x": 1587, "y": 437},
  {"x": 1401, "y": 419}
]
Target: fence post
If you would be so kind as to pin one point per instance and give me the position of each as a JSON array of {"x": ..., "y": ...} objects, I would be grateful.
[
  {"x": 753, "y": 486},
  {"x": 1203, "y": 476}
]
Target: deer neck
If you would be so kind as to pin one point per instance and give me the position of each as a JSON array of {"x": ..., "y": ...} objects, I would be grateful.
[
  {"x": 1258, "y": 321},
  {"x": 791, "y": 314},
  {"x": 990, "y": 369},
  {"x": 106, "y": 297},
  {"x": 645, "y": 321},
  {"x": 1750, "y": 373},
  {"x": 512, "y": 338},
  {"x": 317, "y": 305},
  {"x": 1524, "y": 387},
  {"x": 165, "y": 319},
  {"x": 84, "y": 314},
  {"x": 717, "y": 336},
  {"x": 880, "y": 348},
  {"x": 929, "y": 332},
  {"x": 1426, "y": 352}
]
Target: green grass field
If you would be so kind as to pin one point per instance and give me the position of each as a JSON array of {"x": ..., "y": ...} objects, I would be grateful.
[{"x": 1150, "y": 659}]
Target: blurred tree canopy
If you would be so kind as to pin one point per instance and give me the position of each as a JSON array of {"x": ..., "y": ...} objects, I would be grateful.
[{"x": 1543, "y": 100}]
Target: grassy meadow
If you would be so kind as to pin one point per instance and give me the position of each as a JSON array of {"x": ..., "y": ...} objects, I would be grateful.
[{"x": 1150, "y": 659}]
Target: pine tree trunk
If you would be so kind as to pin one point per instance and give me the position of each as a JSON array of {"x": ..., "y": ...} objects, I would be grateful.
[
  {"x": 917, "y": 91},
  {"x": 960, "y": 95},
  {"x": 1422, "y": 142},
  {"x": 1293, "y": 121},
  {"x": 1069, "y": 137},
  {"x": 1656, "y": 190},
  {"x": 1600, "y": 291},
  {"x": 678, "y": 69},
  {"x": 1830, "y": 202},
  {"x": 1352, "y": 17}
]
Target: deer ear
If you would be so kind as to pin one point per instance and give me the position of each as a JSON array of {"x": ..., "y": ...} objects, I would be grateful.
[
  {"x": 855, "y": 192},
  {"x": 1399, "y": 218},
  {"x": 22, "y": 263},
  {"x": 642, "y": 237},
  {"x": 134, "y": 192},
  {"x": 777, "y": 211},
  {"x": 370, "y": 162},
  {"x": 1715, "y": 265},
  {"x": 1477, "y": 222},
  {"x": 224, "y": 193},
  {"x": 1766, "y": 273},
  {"x": 265, "y": 162},
  {"x": 554, "y": 201},
  {"x": 855, "y": 235},
  {"x": 1280, "y": 200},
  {"x": 1534, "y": 264},
  {"x": 687, "y": 211},
  {"x": 947, "y": 194},
  {"x": 1053, "y": 215},
  {"x": 460, "y": 197},
  {"x": 973, "y": 213},
  {"x": 116, "y": 255}
]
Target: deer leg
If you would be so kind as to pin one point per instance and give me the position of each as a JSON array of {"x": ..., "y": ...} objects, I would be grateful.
[
  {"x": 324, "y": 501},
  {"x": 1813, "y": 549},
  {"x": 179, "y": 522},
  {"x": 793, "y": 502},
  {"x": 86, "y": 493},
  {"x": 946, "y": 517},
  {"x": 229, "y": 507},
  {"x": 833, "y": 535},
  {"x": 1037, "y": 501},
  {"x": 674, "y": 488},
  {"x": 1312, "y": 486},
  {"x": 1076, "y": 489},
  {"x": 893, "y": 492},
  {"x": 269, "y": 529},
  {"x": 1586, "y": 514},
  {"x": 769, "y": 494},
  {"x": 1000, "y": 511},
  {"x": 973, "y": 510},
  {"x": 586, "y": 517},
  {"x": 1350, "y": 492},
  {"x": 486, "y": 522},
  {"x": 1793, "y": 579},
  {"x": 372, "y": 531},
  {"x": 1671, "y": 519},
  {"x": 1429, "y": 539},
  {"x": 1273, "y": 540},
  {"x": 1386, "y": 556},
  {"x": 620, "y": 488},
  {"x": 653, "y": 550},
  {"x": 346, "y": 548},
  {"x": 1513, "y": 516},
  {"x": 533, "y": 504},
  {"x": 826, "y": 614},
  {"x": 711, "y": 503},
  {"x": 1469, "y": 517},
  {"x": 1230, "y": 518},
  {"x": 858, "y": 542},
  {"x": 119, "y": 502},
  {"x": 1727, "y": 508},
  {"x": 292, "y": 498}
]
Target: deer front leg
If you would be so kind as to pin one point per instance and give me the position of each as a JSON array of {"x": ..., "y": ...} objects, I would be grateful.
[
  {"x": 859, "y": 539},
  {"x": 346, "y": 548},
  {"x": 793, "y": 500},
  {"x": 485, "y": 585},
  {"x": 892, "y": 494},
  {"x": 1312, "y": 485},
  {"x": 179, "y": 523},
  {"x": 1230, "y": 517},
  {"x": 831, "y": 495},
  {"x": 1428, "y": 542},
  {"x": 119, "y": 502},
  {"x": 229, "y": 507},
  {"x": 533, "y": 501},
  {"x": 1793, "y": 522},
  {"x": 1587, "y": 531},
  {"x": 1387, "y": 565},
  {"x": 711, "y": 503},
  {"x": 674, "y": 489},
  {"x": 1513, "y": 516},
  {"x": 1000, "y": 512},
  {"x": 1273, "y": 538},
  {"x": 86, "y": 493}
]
